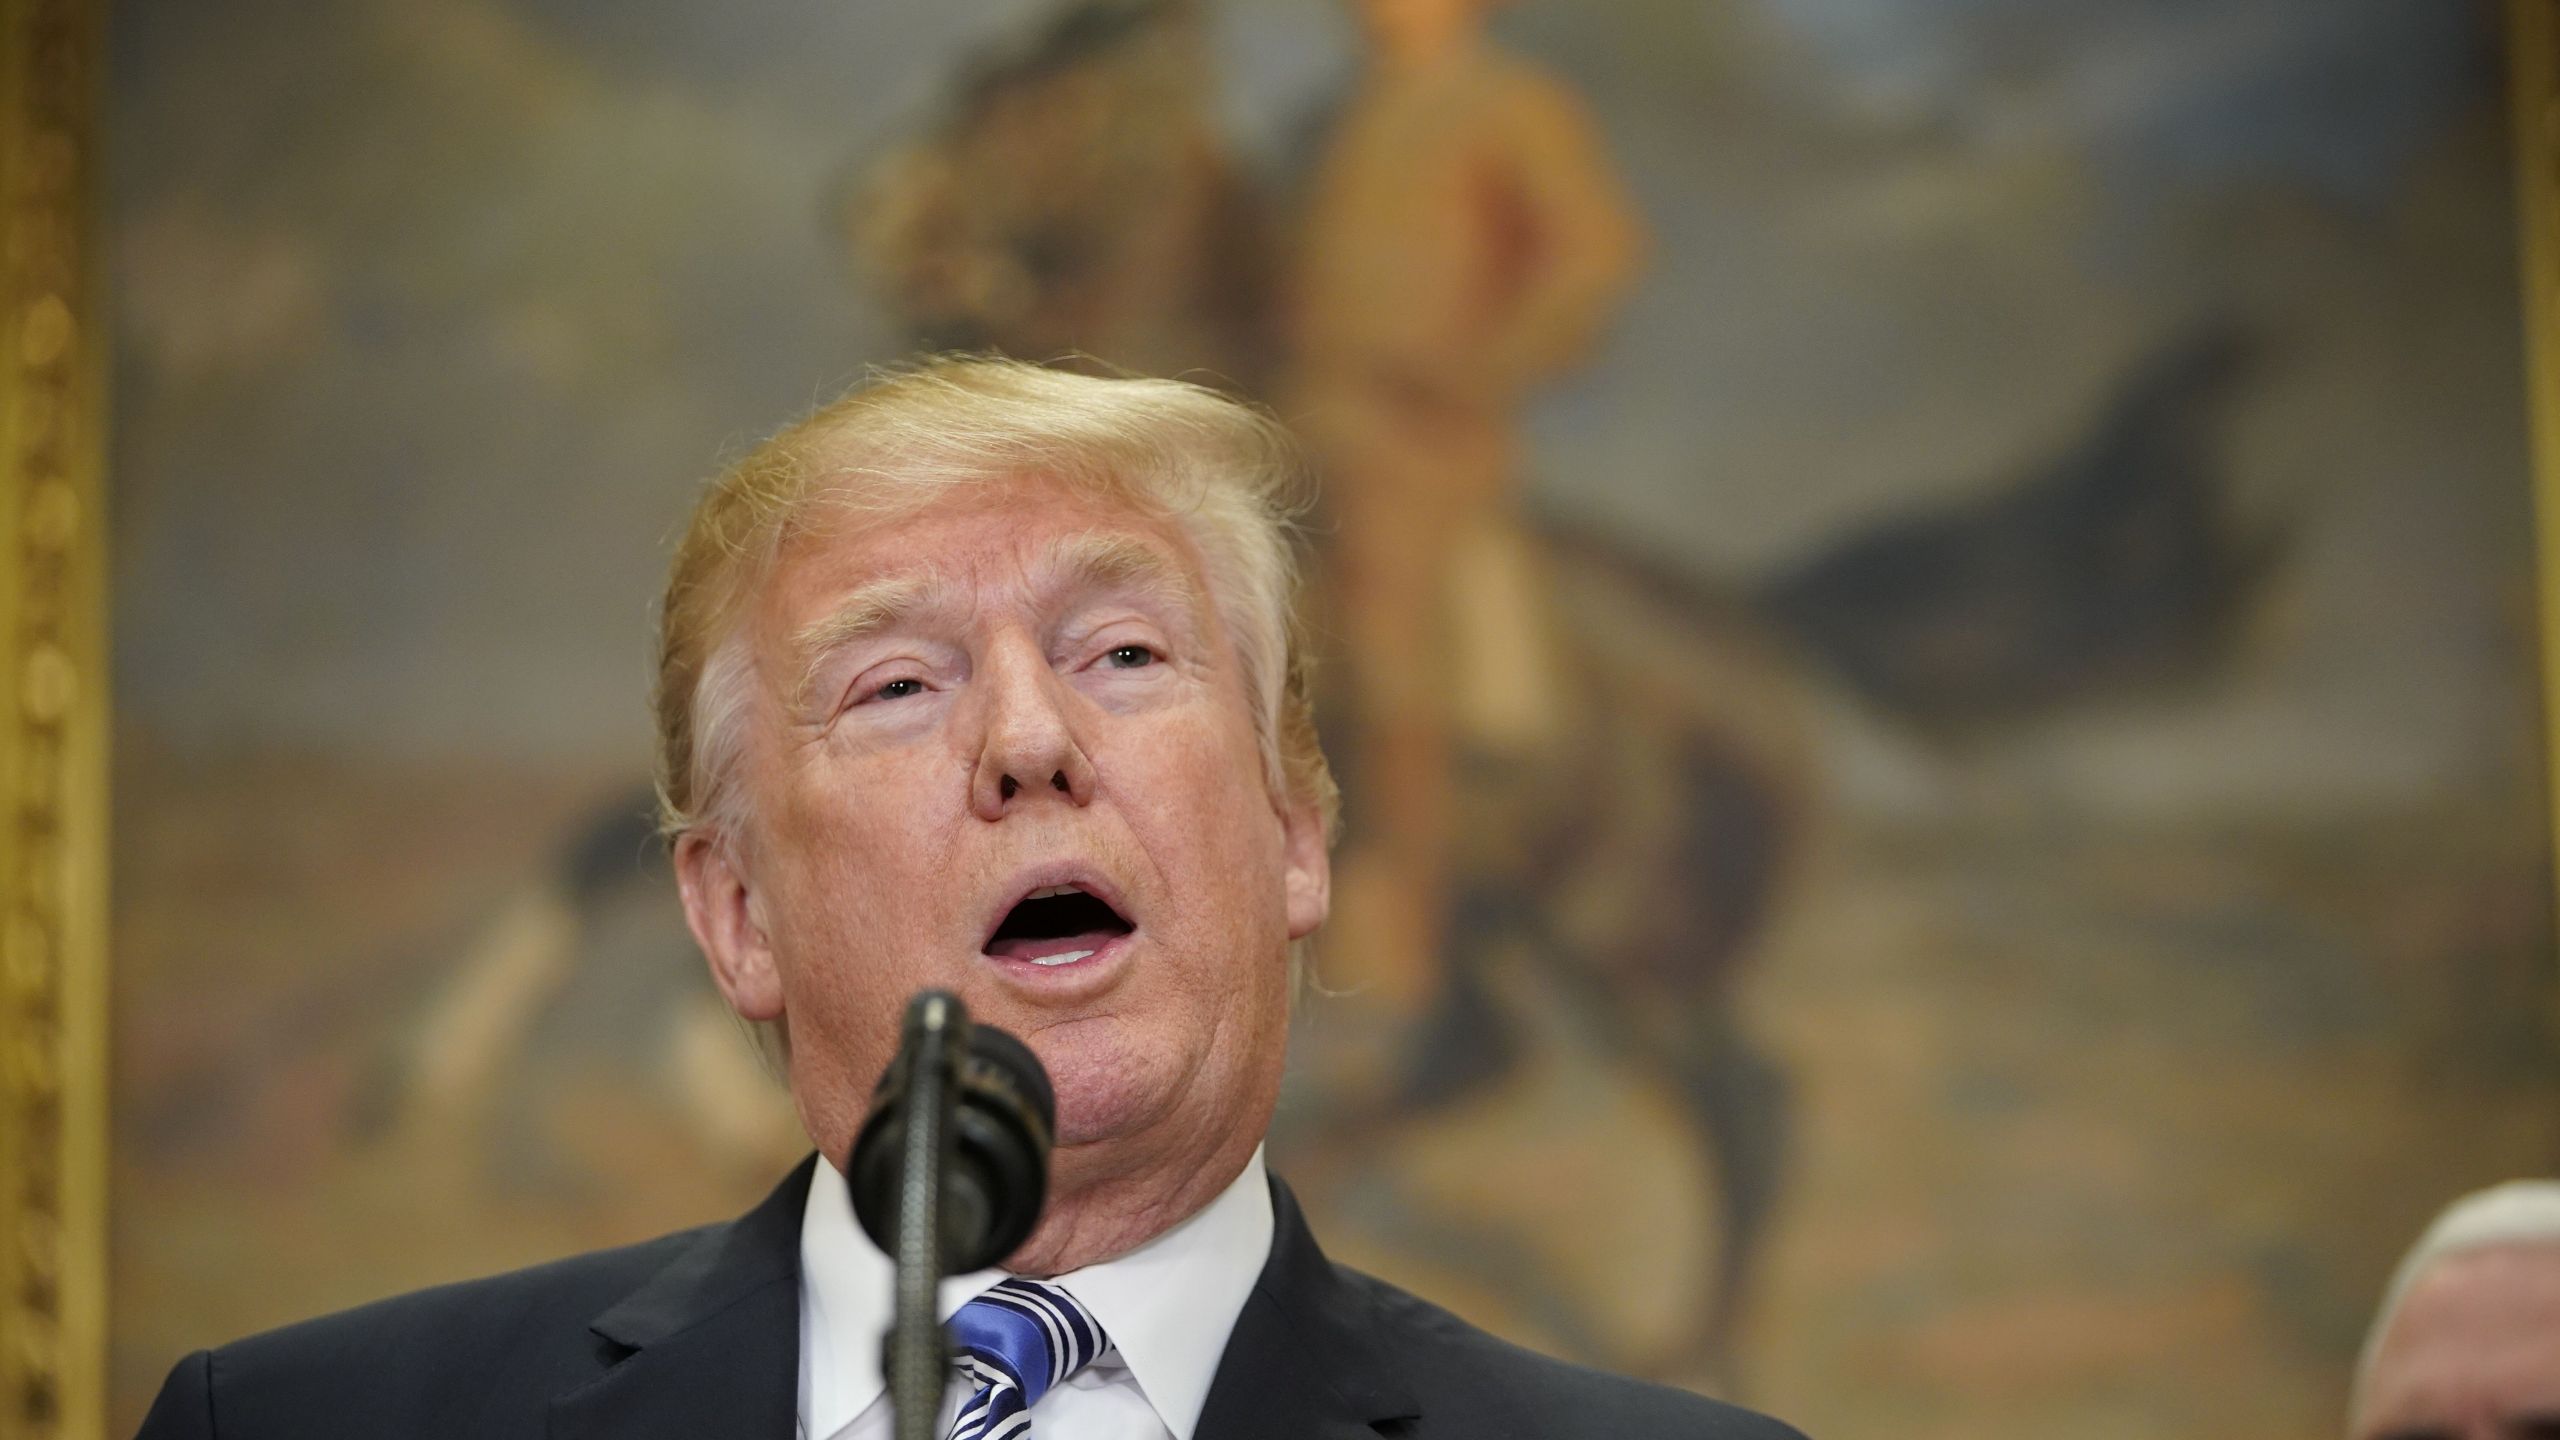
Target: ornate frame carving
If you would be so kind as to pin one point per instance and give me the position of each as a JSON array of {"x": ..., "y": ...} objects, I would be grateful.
[{"x": 53, "y": 730}]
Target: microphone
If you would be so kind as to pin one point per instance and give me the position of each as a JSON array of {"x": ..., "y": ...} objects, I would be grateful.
[
  {"x": 948, "y": 1174},
  {"x": 1002, "y": 1115}
]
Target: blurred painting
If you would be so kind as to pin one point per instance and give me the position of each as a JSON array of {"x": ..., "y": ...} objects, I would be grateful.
[{"x": 1924, "y": 607}]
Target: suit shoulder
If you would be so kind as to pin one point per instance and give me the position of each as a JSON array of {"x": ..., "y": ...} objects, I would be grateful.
[
  {"x": 1468, "y": 1372},
  {"x": 577, "y": 1286},
  {"x": 529, "y": 1323}
]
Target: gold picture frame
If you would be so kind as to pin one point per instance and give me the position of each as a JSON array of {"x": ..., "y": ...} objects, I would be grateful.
[{"x": 53, "y": 753}]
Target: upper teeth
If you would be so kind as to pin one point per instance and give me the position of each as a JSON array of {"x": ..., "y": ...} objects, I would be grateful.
[{"x": 1047, "y": 892}]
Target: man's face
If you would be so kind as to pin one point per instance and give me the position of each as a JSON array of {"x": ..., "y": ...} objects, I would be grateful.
[
  {"x": 1003, "y": 747},
  {"x": 2473, "y": 1353}
]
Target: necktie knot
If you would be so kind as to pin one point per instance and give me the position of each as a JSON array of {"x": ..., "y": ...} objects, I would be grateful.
[{"x": 1017, "y": 1341}]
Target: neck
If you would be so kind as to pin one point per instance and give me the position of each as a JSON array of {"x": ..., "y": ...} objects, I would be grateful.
[{"x": 1096, "y": 1212}]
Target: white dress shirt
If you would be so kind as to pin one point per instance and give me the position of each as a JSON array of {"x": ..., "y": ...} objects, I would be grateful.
[{"x": 1167, "y": 1306}]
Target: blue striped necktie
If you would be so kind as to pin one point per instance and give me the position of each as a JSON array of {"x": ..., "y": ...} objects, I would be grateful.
[{"x": 1017, "y": 1341}]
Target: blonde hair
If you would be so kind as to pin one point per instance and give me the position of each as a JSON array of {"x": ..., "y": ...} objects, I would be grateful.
[{"x": 1226, "y": 475}]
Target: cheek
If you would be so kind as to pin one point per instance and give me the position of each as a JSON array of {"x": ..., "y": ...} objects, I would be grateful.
[
  {"x": 860, "y": 874},
  {"x": 846, "y": 964},
  {"x": 1205, "y": 801}
]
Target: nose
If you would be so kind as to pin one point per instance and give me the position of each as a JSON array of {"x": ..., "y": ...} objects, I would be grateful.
[{"x": 1027, "y": 749}]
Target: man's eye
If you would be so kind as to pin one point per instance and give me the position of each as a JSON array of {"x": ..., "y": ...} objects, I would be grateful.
[
  {"x": 1130, "y": 657},
  {"x": 898, "y": 690}
]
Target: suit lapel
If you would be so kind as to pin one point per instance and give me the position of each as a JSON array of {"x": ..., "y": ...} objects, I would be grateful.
[
  {"x": 710, "y": 1345},
  {"x": 1305, "y": 1359}
]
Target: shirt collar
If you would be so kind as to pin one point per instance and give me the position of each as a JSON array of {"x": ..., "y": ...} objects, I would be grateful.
[{"x": 1168, "y": 1305}]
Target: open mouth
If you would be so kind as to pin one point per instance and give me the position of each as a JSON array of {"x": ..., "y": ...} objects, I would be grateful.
[{"x": 1056, "y": 925}]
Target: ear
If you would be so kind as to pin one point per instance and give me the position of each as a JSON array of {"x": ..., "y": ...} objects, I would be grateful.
[
  {"x": 1308, "y": 875},
  {"x": 728, "y": 923}
]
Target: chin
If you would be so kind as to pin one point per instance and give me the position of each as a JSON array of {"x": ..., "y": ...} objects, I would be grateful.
[
  {"x": 1108, "y": 1084},
  {"x": 1093, "y": 1108},
  {"x": 1095, "y": 1115}
]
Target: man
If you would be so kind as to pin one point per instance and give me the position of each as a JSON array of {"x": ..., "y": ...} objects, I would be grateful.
[
  {"x": 1465, "y": 239},
  {"x": 980, "y": 678},
  {"x": 2467, "y": 1345}
]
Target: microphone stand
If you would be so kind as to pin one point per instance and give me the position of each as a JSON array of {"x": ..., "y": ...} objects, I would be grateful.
[
  {"x": 949, "y": 1173},
  {"x": 918, "y": 1355}
]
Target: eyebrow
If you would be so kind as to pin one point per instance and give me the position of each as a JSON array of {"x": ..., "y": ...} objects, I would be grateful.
[
  {"x": 1100, "y": 560},
  {"x": 870, "y": 609},
  {"x": 1093, "y": 560}
]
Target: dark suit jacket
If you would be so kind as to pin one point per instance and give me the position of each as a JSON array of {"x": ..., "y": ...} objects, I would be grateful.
[{"x": 697, "y": 1337}]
